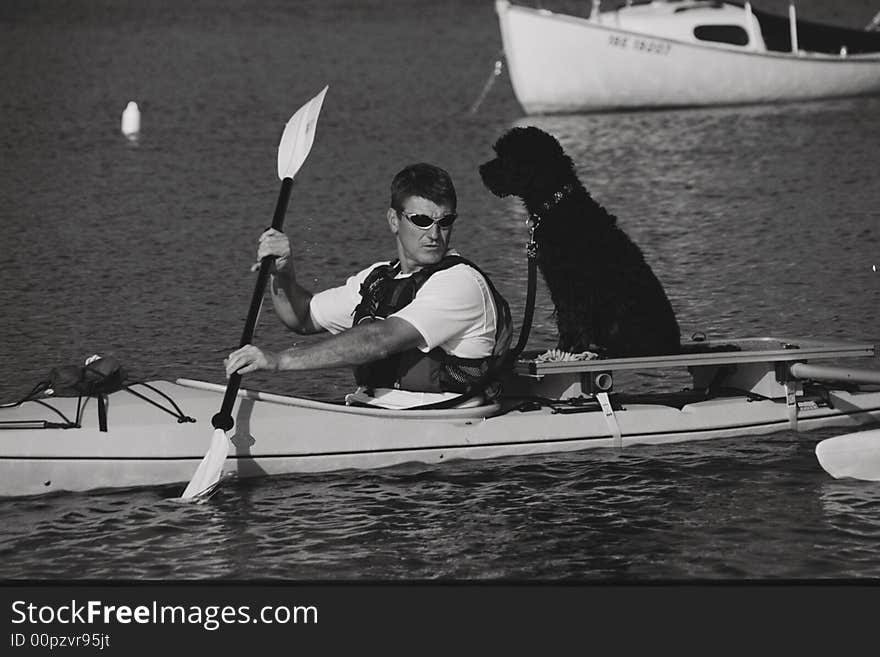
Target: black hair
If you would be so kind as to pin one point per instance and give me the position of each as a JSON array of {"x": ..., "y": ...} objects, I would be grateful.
[{"x": 425, "y": 180}]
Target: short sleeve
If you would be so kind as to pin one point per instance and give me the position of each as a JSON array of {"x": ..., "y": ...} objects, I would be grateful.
[
  {"x": 332, "y": 309},
  {"x": 454, "y": 310}
]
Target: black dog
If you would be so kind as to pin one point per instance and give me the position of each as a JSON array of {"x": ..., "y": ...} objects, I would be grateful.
[{"x": 606, "y": 296}]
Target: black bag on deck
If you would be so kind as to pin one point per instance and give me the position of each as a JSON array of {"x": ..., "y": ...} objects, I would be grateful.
[{"x": 100, "y": 376}]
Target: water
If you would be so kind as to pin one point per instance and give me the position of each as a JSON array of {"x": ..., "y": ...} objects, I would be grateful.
[{"x": 759, "y": 220}]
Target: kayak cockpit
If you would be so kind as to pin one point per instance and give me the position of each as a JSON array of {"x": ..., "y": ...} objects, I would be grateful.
[{"x": 481, "y": 411}]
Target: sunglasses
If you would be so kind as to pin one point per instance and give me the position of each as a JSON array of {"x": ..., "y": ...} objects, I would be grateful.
[{"x": 424, "y": 222}]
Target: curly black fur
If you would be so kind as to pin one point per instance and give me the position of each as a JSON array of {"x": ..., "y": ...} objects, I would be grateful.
[{"x": 607, "y": 298}]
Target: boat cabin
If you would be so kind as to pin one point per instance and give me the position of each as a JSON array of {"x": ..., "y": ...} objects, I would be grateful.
[
  {"x": 689, "y": 20},
  {"x": 736, "y": 25}
]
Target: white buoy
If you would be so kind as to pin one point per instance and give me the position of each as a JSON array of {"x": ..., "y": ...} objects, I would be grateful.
[{"x": 131, "y": 120}]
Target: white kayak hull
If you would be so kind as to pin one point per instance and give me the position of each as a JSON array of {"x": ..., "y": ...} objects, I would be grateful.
[{"x": 273, "y": 435}]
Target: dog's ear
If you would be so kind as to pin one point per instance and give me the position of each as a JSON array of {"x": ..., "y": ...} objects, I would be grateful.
[{"x": 543, "y": 144}]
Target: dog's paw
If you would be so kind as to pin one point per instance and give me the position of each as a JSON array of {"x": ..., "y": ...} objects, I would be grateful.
[{"x": 557, "y": 355}]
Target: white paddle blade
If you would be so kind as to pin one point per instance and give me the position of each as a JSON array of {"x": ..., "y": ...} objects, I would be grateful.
[
  {"x": 298, "y": 136},
  {"x": 208, "y": 473},
  {"x": 855, "y": 455}
]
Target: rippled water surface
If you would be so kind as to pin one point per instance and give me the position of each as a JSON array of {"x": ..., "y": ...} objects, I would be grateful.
[{"x": 758, "y": 220}]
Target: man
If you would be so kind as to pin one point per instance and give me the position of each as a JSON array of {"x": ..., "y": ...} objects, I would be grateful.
[{"x": 426, "y": 329}]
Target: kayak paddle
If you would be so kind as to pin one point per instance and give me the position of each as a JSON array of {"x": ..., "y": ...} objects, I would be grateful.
[
  {"x": 855, "y": 455},
  {"x": 296, "y": 142}
]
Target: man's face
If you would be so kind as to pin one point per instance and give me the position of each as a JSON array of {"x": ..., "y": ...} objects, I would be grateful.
[{"x": 418, "y": 247}]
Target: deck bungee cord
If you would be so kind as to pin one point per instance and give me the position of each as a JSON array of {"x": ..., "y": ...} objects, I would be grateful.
[
  {"x": 98, "y": 377},
  {"x": 176, "y": 412}
]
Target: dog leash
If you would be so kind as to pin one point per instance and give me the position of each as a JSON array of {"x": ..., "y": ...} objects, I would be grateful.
[
  {"x": 532, "y": 222},
  {"x": 531, "y": 288}
]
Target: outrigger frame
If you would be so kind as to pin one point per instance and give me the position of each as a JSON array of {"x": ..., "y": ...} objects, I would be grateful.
[
  {"x": 763, "y": 368},
  {"x": 746, "y": 350}
]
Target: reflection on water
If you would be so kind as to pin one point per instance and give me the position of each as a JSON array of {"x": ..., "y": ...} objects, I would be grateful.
[
  {"x": 725, "y": 509},
  {"x": 852, "y": 506}
]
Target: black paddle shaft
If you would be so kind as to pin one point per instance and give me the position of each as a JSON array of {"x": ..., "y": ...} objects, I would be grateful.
[{"x": 223, "y": 419}]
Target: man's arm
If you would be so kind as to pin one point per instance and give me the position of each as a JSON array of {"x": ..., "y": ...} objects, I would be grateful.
[
  {"x": 290, "y": 299},
  {"x": 365, "y": 343}
]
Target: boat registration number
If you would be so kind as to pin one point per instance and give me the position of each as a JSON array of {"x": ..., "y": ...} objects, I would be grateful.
[{"x": 640, "y": 44}]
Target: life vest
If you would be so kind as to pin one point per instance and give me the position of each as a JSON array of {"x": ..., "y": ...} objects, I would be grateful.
[{"x": 435, "y": 371}]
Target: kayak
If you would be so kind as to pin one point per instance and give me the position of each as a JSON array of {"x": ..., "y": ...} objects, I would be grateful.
[{"x": 156, "y": 432}]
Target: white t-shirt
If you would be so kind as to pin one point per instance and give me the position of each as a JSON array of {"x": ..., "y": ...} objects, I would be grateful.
[{"x": 453, "y": 310}]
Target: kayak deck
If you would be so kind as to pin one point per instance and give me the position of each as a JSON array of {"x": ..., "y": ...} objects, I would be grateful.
[{"x": 553, "y": 407}]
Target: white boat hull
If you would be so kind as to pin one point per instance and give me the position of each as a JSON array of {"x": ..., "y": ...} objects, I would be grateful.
[
  {"x": 564, "y": 64},
  {"x": 145, "y": 446}
]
